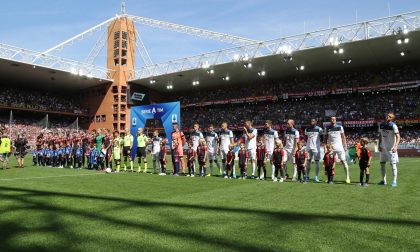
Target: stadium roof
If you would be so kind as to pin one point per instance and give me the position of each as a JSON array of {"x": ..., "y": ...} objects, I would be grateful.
[
  {"x": 366, "y": 44},
  {"x": 22, "y": 75}
]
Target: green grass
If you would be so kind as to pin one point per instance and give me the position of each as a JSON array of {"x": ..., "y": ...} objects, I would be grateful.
[{"x": 40, "y": 209}]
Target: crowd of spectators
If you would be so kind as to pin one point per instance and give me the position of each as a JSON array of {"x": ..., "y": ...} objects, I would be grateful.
[
  {"x": 350, "y": 107},
  {"x": 38, "y": 100},
  {"x": 328, "y": 82}
]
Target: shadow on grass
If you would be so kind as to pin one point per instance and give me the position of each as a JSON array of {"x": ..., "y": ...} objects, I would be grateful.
[{"x": 29, "y": 199}]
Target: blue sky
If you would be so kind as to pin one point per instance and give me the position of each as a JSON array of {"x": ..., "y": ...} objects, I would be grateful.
[{"x": 41, "y": 24}]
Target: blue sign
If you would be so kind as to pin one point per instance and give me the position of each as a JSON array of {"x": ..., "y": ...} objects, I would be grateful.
[{"x": 168, "y": 112}]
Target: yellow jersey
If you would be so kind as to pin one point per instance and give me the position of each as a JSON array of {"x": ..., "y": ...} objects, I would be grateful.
[
  {"x": 5, "y": 145},
  {"x": 142, "y": 141}
]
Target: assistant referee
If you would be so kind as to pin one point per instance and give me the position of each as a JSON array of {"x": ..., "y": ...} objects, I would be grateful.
[{"x": 142, "y": 141}]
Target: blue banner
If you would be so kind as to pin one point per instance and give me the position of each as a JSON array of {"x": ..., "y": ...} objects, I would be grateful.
[{"x": 167, "y": 112}]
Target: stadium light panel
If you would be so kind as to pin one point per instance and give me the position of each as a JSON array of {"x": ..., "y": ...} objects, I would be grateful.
[
  {"x": 195, "y": 83},
  {"x": 227, "y": 78},
  {"x": 262, "y": 73},
  {"x": 73, "y": 71},
  {"x": 405, "y": 30},
  {"x": 211, "y": 71},
  {"x": 169, "y": 87},
  {"x": 399, "y": 41},
  {"x": 205, "y": 65},
  {"x": 406, "y": 40},
  {"x": 152, "y": 81},
  {"x": 402, "y": 54},
  {"x": 248, "y": 65}
]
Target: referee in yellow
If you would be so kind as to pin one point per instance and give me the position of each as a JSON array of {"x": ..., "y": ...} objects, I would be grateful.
[
  {"x": 142, "y": 142},
  {"x": 128, "y": 145}
]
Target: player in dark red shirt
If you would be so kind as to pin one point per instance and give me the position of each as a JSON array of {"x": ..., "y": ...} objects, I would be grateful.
[
  {"x": 364, "y": 161},
  {"x": 278, "y": 159},
  {"x": 329, "y": 163},
  {"x": 243, "y": 156},
  {"x": 230, "y": 162},
  {"x": 162, "y": 157},
  {"x": 202, "y": 157},
  {"x": 301, "y": 157},
  {"x": 191, "y": 155},
  {"x": 261, "y": 158}
]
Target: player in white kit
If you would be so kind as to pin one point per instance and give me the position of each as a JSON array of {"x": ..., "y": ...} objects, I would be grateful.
[
  {"x": 334, "y": 135},
  {"x": 225, "y": 140},
  {"x": 313, "y": 147},
  {"x": 156, "y": 142},
  {"x": 212, "y": 140},
  {"x": 389, "y": 139},
  {"x": 270, "y": 136},
  {"x": 250, "y": 136},
  {"x": 196, "y": 135},
  {"x": 291, "y": 136}
]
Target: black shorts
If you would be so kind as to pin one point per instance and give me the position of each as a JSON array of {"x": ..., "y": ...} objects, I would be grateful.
[
  {"x": 300, "y": 167},
  {"x": 126, "y": 151},
  {"x": 141, "y": 152},
  {"x": 363, "y": 166}
]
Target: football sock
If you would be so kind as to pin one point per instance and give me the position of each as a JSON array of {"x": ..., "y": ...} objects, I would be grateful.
[
  {"x": 317, "y": 168},
  {"x": 131, "y": 165},
  {"x": 361, "y": 177},
  {"x": 394, "y": 171},
  {"x": 367, "y": 178},
  {"x": 145, "y": 166},
  {"x": 273, "y": 169},
  {"x": 253, "y": 168},
  {"x": 346, "y": 170},
  {"x": 383, "y": 172}
]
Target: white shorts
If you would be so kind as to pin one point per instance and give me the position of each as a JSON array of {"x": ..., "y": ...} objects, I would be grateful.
[
  {"x": 223, "y": 154},
  {"x": 315, "y": 154},
  {"x": 288, "y": 156},
  {"x": 341, "y": 155},
  {"x": 155, "y": 156},
  {"x": 389, "y": 156},
  {"x": 212, "y": 156},
  {"x": 252, "y": 154}
]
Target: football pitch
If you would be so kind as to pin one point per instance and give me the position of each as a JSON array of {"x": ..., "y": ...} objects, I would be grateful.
[{"x": 50, "y": 209}]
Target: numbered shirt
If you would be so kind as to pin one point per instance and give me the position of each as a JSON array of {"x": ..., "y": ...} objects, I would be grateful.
[
  {"x": 156, "y": 141},
  {"x": 291, "y": 137},
  {"x": 195, "y": 138},
  {"x": 314, "y": 137},
  {"x": 225, "y": 139},
  {"x": 251, "y": 143},
  {"x": 333, "y": 135},
  {"x": 270, "y": 135},
  {"x": 212, "y": 138},
  {"x": 388, "y": 133}
]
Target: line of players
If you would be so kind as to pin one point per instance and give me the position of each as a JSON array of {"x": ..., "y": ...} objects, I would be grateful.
[
  {"x": 270, "y": 148},
  {"x": 102, "y": 149}
]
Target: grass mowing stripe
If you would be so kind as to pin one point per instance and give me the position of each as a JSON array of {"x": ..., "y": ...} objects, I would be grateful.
[{"x": 61, "y": 176}]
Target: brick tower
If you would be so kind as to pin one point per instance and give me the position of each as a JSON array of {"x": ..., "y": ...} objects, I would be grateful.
[{"x": 110, "y": 110}]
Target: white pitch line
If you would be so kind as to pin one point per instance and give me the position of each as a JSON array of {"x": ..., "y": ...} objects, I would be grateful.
[{"x": 61, "y": 176}]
